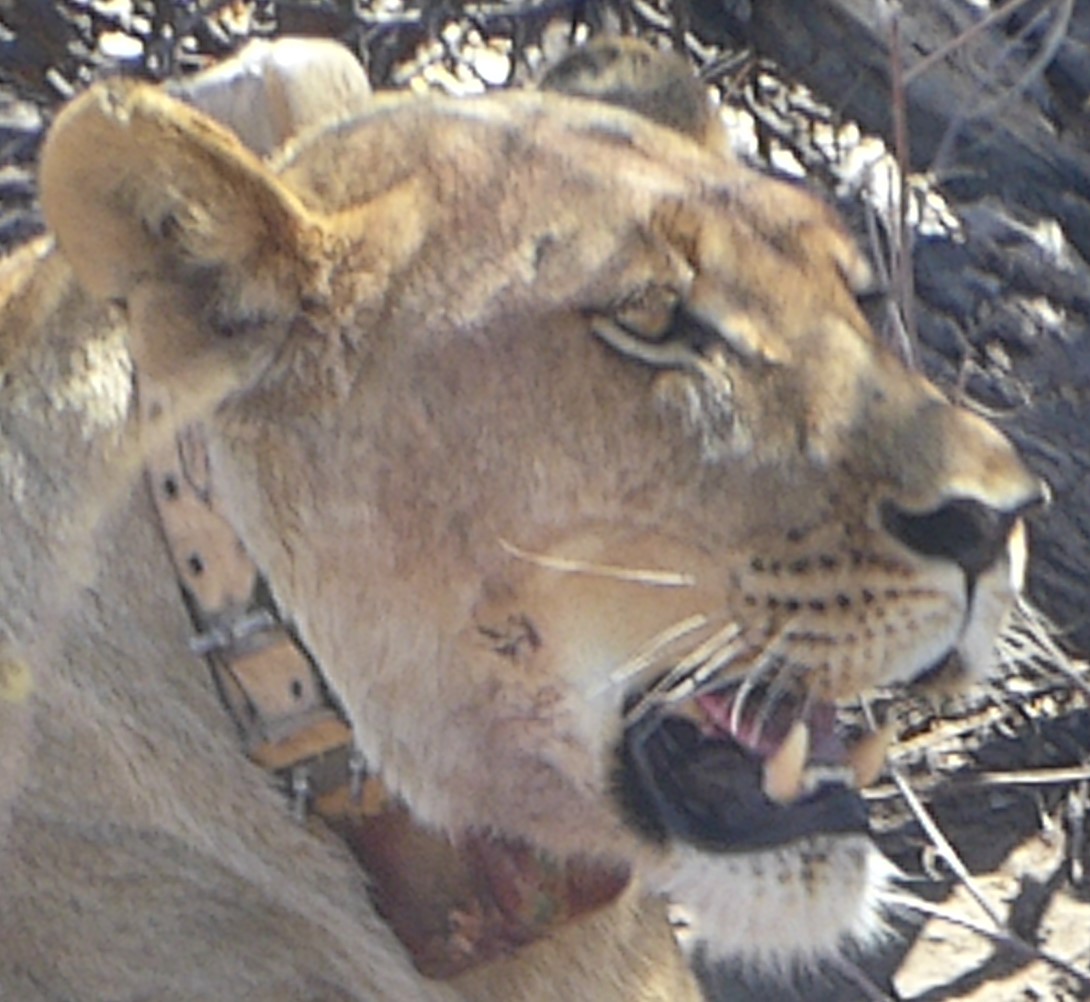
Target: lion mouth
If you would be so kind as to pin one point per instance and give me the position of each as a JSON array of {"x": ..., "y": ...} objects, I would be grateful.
[{"x": 729, "y": 771}]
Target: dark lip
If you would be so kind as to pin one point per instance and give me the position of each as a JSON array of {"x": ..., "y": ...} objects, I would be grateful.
[{"x": 678, "y": 780}]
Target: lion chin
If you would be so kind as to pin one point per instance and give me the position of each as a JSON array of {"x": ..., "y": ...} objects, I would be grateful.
[
  {"x": 779, "y": 909},
  {"x": 561, "y": 438}
]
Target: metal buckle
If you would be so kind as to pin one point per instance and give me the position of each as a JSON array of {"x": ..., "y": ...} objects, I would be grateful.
[
  {"x": 229, "y": 632},
  {"x": 357, "y": 770},
  {"x": 300, "y": 793}
]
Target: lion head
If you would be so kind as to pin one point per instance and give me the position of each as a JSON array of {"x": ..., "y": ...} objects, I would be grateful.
[{"x": 566, "y": 446}]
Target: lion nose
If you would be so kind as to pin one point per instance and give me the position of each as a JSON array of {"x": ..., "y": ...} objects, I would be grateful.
[{"x": 966, "y": 531}]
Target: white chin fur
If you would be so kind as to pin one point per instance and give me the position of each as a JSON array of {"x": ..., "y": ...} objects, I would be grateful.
[{"x": 778, "y": 909}]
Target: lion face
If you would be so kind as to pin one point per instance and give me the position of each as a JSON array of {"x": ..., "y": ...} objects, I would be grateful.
[{"x": 567, "y": 448}]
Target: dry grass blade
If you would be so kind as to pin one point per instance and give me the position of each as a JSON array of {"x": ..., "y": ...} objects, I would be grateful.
[
  {"x": 901, "y": 266},
  {"x": 1002, "y": 937},
  {"x": 997, "y": 15},
  {"x": 1036, "y": 632},
  {"x": 1050, "y": 46},
  {"x": 636, "y": 575},
  {"x": 987, "y": 109},
  {"x": 1025, "y": 777},
  {"x": 946, "y": 850}
]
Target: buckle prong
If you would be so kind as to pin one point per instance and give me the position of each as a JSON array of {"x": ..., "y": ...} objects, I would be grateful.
[
  {"x": 300, "y": 793},
  {"x": 227, "y": 633},
  {"x": 357, "y": 769}
]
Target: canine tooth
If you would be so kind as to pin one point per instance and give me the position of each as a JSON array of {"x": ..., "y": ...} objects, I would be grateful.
[
  {"x": 868, "y": 755},
  {"x": 1017, "y": 554},
  {"x": 782, "y": 781}
]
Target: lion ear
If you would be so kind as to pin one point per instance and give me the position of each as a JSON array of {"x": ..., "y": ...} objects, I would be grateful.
[{"x": 140, "y": 188}]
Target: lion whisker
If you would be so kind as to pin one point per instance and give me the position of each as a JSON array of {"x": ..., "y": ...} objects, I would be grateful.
[
  {"x": 704, "y": 673},
  {"x": 707, "y": 674},
  {"x": 571, "y": 565},
  {"x": 651, "y": 651},
  {"x": 692, "y": 672},
  {"x": 694, "y": 663},
  {"x": 765, "y": 663},
  {"x": 781, "y": 686}
]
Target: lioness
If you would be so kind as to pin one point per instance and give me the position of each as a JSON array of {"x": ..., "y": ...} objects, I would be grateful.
[{"x": 565, "y": 445}]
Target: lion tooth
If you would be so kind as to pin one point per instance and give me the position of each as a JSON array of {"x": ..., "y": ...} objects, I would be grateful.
[
  {"x": 867, "y": 756},
  {"x": 1017, "y": 554},
  {"x": 782, "y": 780}
]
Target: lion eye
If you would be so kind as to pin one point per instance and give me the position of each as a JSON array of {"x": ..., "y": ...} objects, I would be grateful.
[
  {"x": 688, "y": 342},
  {"x": 705, "y": 340}
]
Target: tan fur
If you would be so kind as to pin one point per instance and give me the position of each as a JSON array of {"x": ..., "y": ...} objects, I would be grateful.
[
  {"x": 141, "y": 856},
  {"x": 450, "y": 481},
  {"x": 145, "y": 856}
]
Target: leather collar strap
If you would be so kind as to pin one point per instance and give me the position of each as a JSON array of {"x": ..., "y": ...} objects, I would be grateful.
[{"x": 453, "y": 904}]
